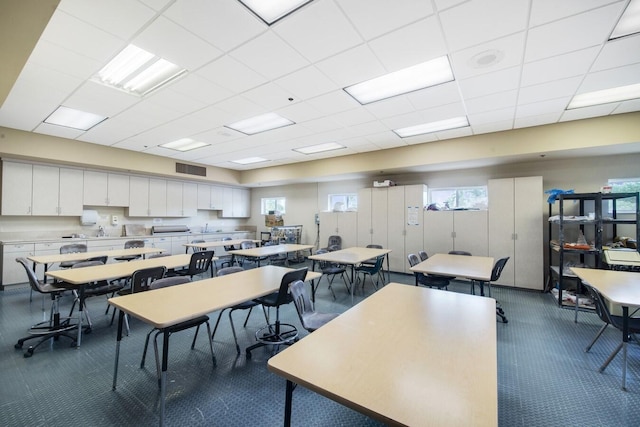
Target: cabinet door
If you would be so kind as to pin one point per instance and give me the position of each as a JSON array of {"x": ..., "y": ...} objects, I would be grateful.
[
  {"x": 438, "y": 232},
  {"x": 396, "y": 228},
  {"x": 71, "y": 190},
  {"x": 204, "y": 196},
  {"x": 17, "y": 183},
  {"x": 328, "y": 227},
  {"x": 471, "y": 232},
  {"x": 157, "y": 197},
  {"x": 364, "y": 217},
  {"x": 138, "y": 196},
  {"x": 529, "y": 246},
  {"x": 189, "y": 199},
  {"x": 501, "y": 224},
  {"x": 227, "y": 202},
  {"x": 379, "y": 217},
  {"x": 414, "y": 201},
  {"x": 12, "y": 272},
  {"x": 241, "y": 201},
  {"x": 46, "y": 188},
  {"x": 347, "y": 228},
  {"x": 95, "y": 189},
  {"x": 174, "y": 198},
  {"x": 217, "y": 197},
  {"x": 118, "y": 190}
]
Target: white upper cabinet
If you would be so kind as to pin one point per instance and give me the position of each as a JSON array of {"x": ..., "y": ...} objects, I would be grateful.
[
  {"x": 105, "y": 189},
  {"x": 210, "y": 197},
  {"x": 17, "y": 182},
  {"x": 236, "y": 202},
  {"x": 182, "y": 199}
]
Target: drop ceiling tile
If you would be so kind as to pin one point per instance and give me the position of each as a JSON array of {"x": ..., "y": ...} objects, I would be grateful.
[
  {"x": 386, "y": 139},
  {"x": 239, "y": 108},
  {"x": 448, "y": 111},
  {"x": 231, "y": 74},
  {"x": 485, "y": 84},
  {"x": 538, "y": 108},
  {"x": 443, "y": 94},
  {"x": 194, "y": 86},
  {"x": 100, "y": 99},
  {"x": 615, "y": 77},
  {"x": 477, "y": 22},
  {"x": 270, "y": 56},
  {"x": 354, "y": 117},
  {"x": 334, "y": 102},
  {"x": 455, "y": 133},
  {"x": 110, "y": 132},
  {"x": 495, "y": 101},
  {"x": 588, "y": 112},
  {"x": 406, "y": 46},
  {"x": 373, "y": 18},
  {"x": 269, "y": 95},
  {"x": 109, "y": 16},
  {"x": 543, "y": 119},
  {"x": 627, "y": 107},
  {"x": 619, "y": 52},
  {"x": 492, "y": 127},
  {"x": 56, "y": 57},
  {"x": 491, "y": 116},
  {"x": 369, "y": 128},
  {"x": 352, "y": 66},
  {"x": 81, "y": 37},
  {"x": 60, "y": 131},
  {"x": 299, "y": 112},
  {"x": 175, "y": 44},
  {"x": 148, "y": 114},
  {"x": 298, "y": 83},
  {"x": 391, "y": 107},
  {"x": 551, "y": 90},
  {"x": 571, "y": 34},
  {"x": 543, "y": 11},
  {"x": 318, "y": 31},
  {"x": 175, "y": 100},
  {"x": 558, "y": 67},
  {"x": 321, "y": 125},
  {"x": 446, "y": 4},
  {"x": 224, "y": 24},
  {"x": 506, "y": 52},
  {"x": 420, "y": 139},
  {"x": 154, "y": 4},
  {"x": 219, "y": 136}
]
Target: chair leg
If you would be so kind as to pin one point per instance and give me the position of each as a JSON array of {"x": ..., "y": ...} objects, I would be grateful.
[
  {"x": 193, "y": 343},
  {"x": 215, "y": 328},
  {"x": 330, "y": 280},
  {"x": 213, "y": 356},
  {"x": 146, "y": 346},
  {"x": 611, "y": 357},
  {"x": 233, "y": 330},
  {"x": 247, "y": 318},
  {"x": 600, "y": 332}
]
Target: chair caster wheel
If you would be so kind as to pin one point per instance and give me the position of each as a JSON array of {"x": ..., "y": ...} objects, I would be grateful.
[
  {"x": 248, "y": 355},
  {"x": 18, "y": 345},
  {"x": 28, "y": 353},
  {"x": 87, "y": 331}
]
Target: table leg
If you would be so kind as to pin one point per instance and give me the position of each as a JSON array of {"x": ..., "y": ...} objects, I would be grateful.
[
  {"x": 80, "y": 311},
  {"x": 625, "y": 340},
  {"x": 163, "y": 375},
  {"x": 388, "y": 269},
  {"x": 118, "y": 339},
  {"x": 287, "y": 404}
]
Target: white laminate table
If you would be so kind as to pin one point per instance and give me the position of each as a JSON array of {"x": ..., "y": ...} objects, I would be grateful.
[
  {"x": 162, "y": 308},
  {"x": 476, "y": 268},
  {"x": 352, "y": 257},
  {"x": 404, "y": 356},
  {"x": 217, "y": 243},
  {"x": 85, "y": 275},
  {"x": 265, "y": 251},
  {"x": 619, "y": 287}
]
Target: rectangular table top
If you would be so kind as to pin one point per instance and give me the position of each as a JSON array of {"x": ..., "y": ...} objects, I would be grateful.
[
  {"x": 270, "y": 250},
  {"x": 80, "y": 256},
  {"x": 354, "y": 255},
  {"x": 79, "y": 276},
  {"x": 619, "y": 287},
  {"x": 469, "y": 267},
  {"x": 168, "y": 306},
  {"x": 405, "y": 356},
  {"x": 218, "y": 243}
]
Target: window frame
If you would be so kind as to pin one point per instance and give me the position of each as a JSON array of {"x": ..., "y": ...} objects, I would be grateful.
[
  {"x": 458, "y": 190},
  {"x": 347, "y": 196},
  {"x": 276, "y": 200}
]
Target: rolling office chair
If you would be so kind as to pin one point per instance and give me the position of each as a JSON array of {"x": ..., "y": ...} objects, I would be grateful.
[
  {"x": 278, "y": 333},
  {"x": 56, "y": 326}
]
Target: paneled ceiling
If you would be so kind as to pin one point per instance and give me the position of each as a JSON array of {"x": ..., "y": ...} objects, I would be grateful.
[{"x": 516, "y": 63}]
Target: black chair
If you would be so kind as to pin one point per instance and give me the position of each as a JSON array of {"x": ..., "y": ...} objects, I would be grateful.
[
  {"x": 129, "y": 244},
  {"x": 429, "y": 280},
  {"x": 371, "y": 262},
  {"x": 464, "y": 253},
  {"x": 226, "y": 260},
  {"x": 200, "y": 263},
  {"x": 247, "y": 305},
  {"x": 250, "y": 244},
  {"x": 334, "y": 243},
  {"x": 278, "y": 333},
  {"x": 56, "y": 326},
  {"x": 140, "y": 282},
  {"x": 309, "y": 317},
  {"x": 330, "y": 270},
  {"x": 495, "y": 275},
  {"x": 201, "y": 249},
  {"x": 188, "y": 324},
  {"x": 71, "y": 249},
  {"x": 371, "y": 271},
  {"x": 423, "y": 255},
  {"x": 602, "y": 309}
]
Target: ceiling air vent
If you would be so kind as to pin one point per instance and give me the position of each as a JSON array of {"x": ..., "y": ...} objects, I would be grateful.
[{"x": 191, "y": 169}]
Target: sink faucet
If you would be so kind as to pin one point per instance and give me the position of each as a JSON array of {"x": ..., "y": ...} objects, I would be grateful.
[
  {"x": 100, "y": 231},
  {"x": 206, "y": 227}
]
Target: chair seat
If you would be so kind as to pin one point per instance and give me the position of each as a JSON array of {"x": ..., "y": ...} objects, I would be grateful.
[
  {"x": 634, "y": 323},
  {"x": 102, "y": 289},
  {"x": 315, "y": 320},
  {"x": 333, "y": 270},
  {"x": 188, "y": 324}
]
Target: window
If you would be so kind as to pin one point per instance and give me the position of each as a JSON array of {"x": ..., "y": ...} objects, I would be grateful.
[
  {"x": 626, "y": 185},
  {"x": 343, "y": 202},
  {"x": 272, "y": 205},
  {"x": 459, "y": 197}
]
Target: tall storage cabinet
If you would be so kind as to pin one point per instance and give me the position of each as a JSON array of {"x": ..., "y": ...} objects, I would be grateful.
[
  {"x": 516, "y": 228},
  {"x": 341, "y": 224},
  {"x": 446, "y": 231}
]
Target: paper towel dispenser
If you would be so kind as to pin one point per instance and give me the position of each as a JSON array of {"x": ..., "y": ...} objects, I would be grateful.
[{"x": 89, "y": 217}]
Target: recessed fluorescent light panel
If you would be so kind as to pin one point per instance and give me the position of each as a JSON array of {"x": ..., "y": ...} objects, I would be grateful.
[
  {"x": 606, "y": 96},
  {"x": 184, "y": 144},
  {"x": 271, "y": 11},
  {"x": 319, "y": 148},
  {"x": 409, "y": 79},
  {"x": 137, "y": 71},
  {"x": 629, "y": 22},
  {"x": 75, "y": 119},
  {"x": 250, "y": 160},
  {"x": 454, "y": 123},
  {"x": 261, "y": 123}
]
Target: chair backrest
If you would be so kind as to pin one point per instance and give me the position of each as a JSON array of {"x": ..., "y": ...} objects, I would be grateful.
[
  {"x": 378, "y": 265},
  {"x": 87, "y": 264},
  {"x": 73, "y": 248},
  {"x": 35, "y": 284},
  {"x": 196, "y": 249},
  {"x": 497, "y": 268},
  {"x": 375, "y": 246},
  {"x": 102, "y": 259},
  {"x": 423, "y": 255},
  {"x": 465, "y": 253},
  {"x": 200, "y": 262},
  {"x": 141, "y": 279},
  {"x": 165, "y": 282},
  {"x": 247, "y": 244},
  {"x": 301, "y": 299},
  {"x": 323, "y": 264},
  {"x": 602, "y": 309},
  {"x": 229, "y": 270},
  {"x": 134, "y": 244},
  {"x": 334, "y": 243},
  {"x": 413, "y": 259},
  {"x": 291, "y": 276},
  {"x": 228, "y": 247},
  {"x": 160, "y": 255}
]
